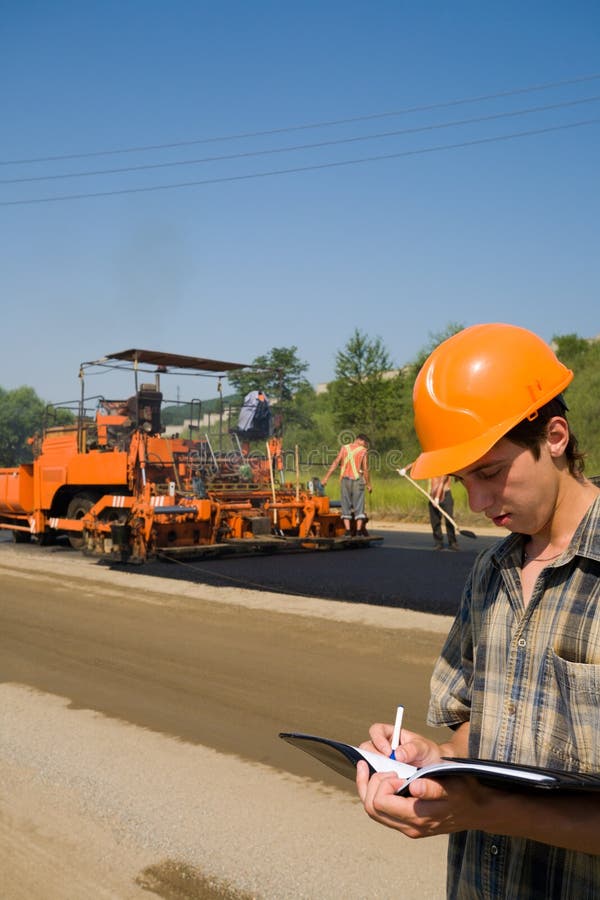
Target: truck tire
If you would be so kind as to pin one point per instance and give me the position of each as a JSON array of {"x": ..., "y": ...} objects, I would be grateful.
[
  {"x": 77, "y": 508},
  {"x": 21, "y": 537}
]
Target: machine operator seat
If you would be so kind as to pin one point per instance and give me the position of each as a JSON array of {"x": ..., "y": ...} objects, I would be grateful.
[{"x": 144, "y": 409}]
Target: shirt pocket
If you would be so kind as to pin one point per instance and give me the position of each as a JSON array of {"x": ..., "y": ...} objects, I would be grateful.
[{"x": 567, "y": 718}]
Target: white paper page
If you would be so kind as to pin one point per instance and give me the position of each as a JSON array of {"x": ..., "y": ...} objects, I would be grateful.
[{"x": 383, "y": 763}]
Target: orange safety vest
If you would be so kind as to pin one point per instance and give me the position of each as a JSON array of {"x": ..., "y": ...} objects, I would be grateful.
[{"x": 352, "y": 462}]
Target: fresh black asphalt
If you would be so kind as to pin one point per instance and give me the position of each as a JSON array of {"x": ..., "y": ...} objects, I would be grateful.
[{"x": 402, "y": 571}]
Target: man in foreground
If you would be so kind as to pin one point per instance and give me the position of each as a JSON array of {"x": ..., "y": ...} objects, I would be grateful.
[{"x": 518, "y": 679}]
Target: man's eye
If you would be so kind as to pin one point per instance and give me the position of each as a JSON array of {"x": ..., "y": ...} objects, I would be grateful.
[{"x": 489, "y": 474}]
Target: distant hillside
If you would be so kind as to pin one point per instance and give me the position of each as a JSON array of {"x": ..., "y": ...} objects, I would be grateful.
[{"x": 178, "y": 413}]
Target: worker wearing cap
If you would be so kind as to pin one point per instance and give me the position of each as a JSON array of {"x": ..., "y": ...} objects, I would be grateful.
[
  {"x": 353, "y": 462},
  {"x": 518, "y": 679}
]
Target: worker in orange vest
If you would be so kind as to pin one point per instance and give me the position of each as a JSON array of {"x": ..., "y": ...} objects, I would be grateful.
[
  {"x": 354, "y": 474},
  {"x": 276, "y": 450}
]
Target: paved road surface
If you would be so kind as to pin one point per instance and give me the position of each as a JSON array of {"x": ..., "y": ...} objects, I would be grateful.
[{"x": 403, "y": 571}]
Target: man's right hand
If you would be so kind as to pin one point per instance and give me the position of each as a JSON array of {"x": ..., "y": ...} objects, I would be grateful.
[{"x": 414, "y": 749}]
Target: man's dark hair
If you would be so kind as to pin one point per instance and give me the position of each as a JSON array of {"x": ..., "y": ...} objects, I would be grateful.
[
  {"x": 530, "y": 433},
  {"x": 363, "y": 437}
]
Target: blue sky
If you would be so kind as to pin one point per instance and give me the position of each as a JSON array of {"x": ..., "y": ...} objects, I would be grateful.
[{"x": 498, "y": 230}]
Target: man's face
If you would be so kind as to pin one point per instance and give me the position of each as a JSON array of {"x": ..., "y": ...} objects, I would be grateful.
[{"x": 512, "y": 488}]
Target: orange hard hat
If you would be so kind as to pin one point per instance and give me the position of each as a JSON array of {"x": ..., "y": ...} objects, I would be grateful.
[{"x": 474, "y": 388}]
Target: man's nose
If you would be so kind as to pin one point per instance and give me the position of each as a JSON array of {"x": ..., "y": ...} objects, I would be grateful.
[{"x": 479, "y": 496}]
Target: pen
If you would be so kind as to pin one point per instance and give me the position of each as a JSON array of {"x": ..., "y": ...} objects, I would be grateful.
[{"x": 397, "y": 731}]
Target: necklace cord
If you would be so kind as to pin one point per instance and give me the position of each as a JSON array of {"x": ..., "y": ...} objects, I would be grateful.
[{"x": 528, "y": 558}]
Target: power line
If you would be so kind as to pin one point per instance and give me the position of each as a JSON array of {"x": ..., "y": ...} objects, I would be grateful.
[
  {"x": 298, "y": 169},
  {"x": 313, "y": 146},
  {"x": 325, "y": 124}
]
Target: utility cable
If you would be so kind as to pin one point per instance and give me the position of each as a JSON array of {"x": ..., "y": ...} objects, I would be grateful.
[
  {"x": 325, "y": 124},
  {"x": 298, "y": 169},
  {"x": 318, "y": 145}
]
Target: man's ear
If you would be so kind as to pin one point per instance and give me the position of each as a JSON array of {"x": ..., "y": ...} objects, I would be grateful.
[{"x": 557, "y": 436}]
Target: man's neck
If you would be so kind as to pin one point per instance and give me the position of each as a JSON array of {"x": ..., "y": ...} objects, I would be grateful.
[{"x": 574, "y": 499}]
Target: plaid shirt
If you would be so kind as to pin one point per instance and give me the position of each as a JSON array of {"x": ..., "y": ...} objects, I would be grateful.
[{"x": 528, "y": 681}]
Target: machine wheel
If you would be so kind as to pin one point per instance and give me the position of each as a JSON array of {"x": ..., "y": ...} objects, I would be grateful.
[
  {"x": 77, "y": 508},
  {"x": 21, "y": 537}
]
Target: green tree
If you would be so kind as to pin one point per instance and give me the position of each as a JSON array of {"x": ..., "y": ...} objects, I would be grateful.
[
  {"x": 583, "y": 394},
  {"x": 282, "y": 375},
  {"x": 21, "y": 414},
  {"x": 572, "y": 350},
  {"x": 367, "y": 391}
]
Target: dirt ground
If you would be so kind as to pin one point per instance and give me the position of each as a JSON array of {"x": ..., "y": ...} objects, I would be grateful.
[{"x": 106, "y": 789}]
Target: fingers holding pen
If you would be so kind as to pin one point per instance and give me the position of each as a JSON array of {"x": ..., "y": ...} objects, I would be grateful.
[
  {"x": 381, "y": 736},
  {"x": 386, "y": 738},
  {"x": 412, "y": 747}
]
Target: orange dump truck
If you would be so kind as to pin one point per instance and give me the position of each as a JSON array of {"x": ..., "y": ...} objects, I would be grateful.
[{"x": 118, "y": 487}]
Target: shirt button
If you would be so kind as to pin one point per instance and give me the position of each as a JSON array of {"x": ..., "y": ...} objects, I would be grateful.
[
  {"x": 522, "y": 642},
  {"x": 494, "y": 850}
]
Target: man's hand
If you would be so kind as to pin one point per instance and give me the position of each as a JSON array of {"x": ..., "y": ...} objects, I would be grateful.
[
  {"x": 413, "y": 748},
  {"x": 433, "y": 807}
]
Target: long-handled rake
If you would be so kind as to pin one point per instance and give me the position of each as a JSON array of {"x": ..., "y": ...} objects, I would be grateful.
[{"x": 463, "y": 531}]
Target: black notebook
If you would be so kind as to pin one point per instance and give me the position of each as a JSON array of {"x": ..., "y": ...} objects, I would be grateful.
[{"x": 342, "y": 758}]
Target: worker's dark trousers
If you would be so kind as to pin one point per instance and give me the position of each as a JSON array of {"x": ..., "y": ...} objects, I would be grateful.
[{"x": 435, "y": 517}]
